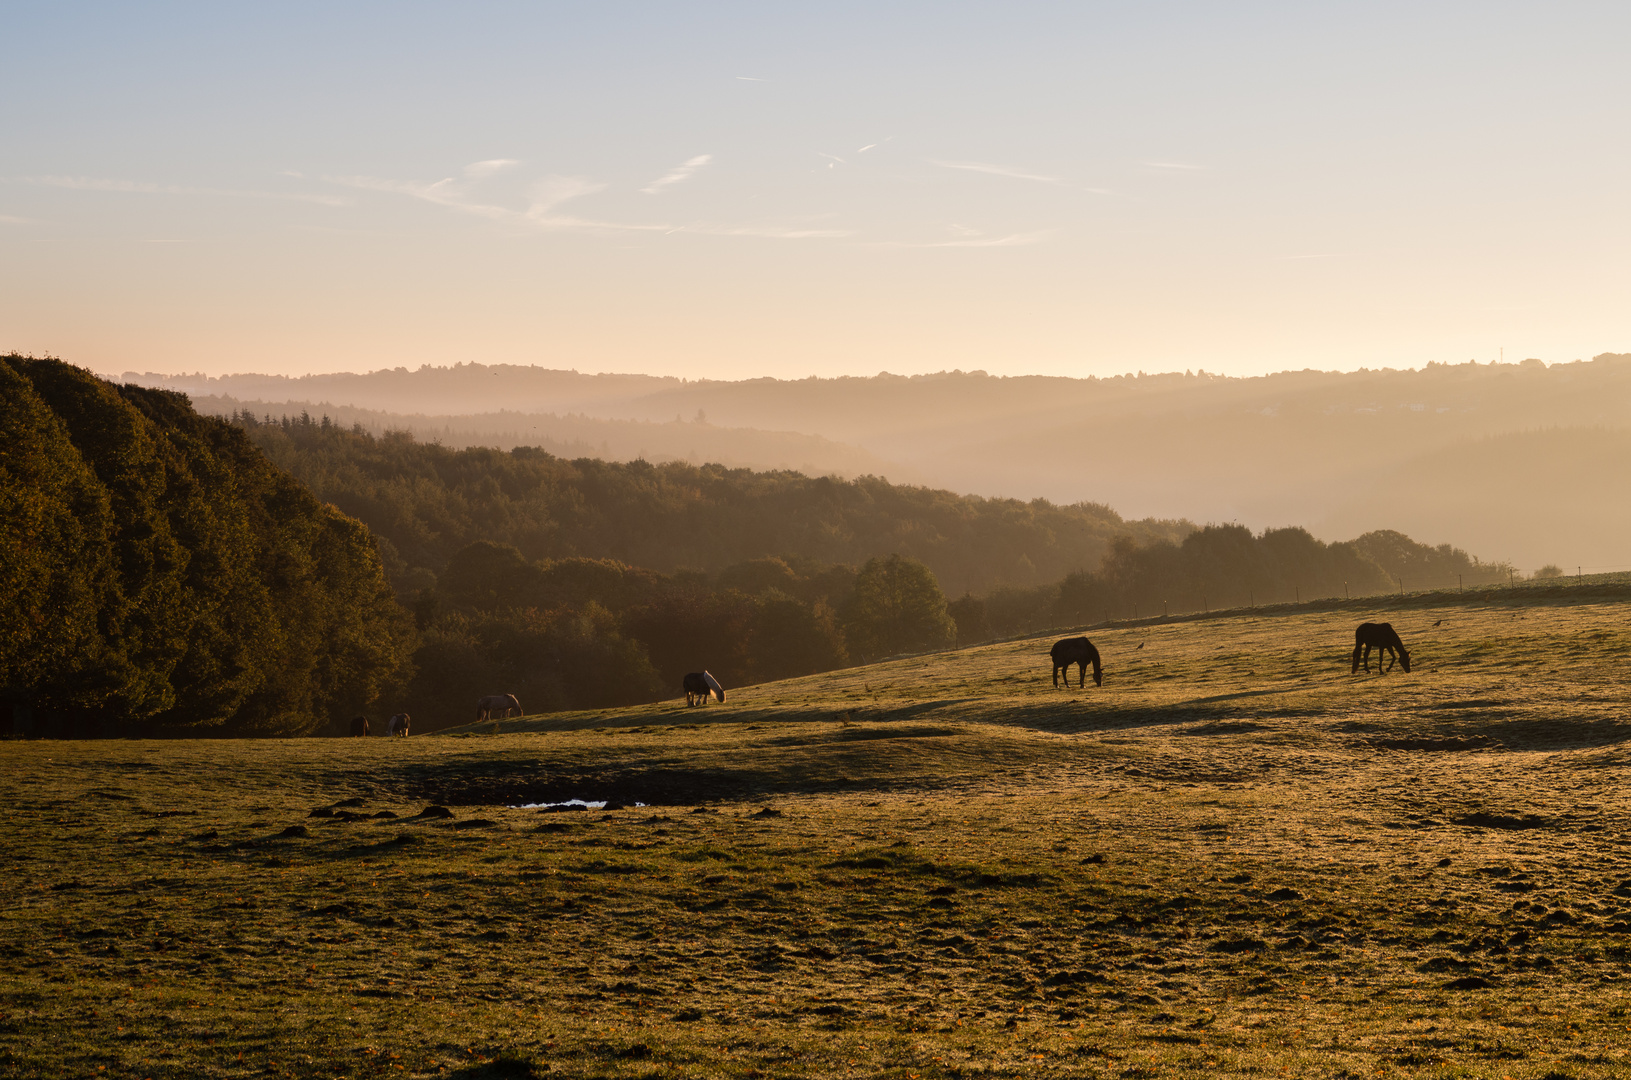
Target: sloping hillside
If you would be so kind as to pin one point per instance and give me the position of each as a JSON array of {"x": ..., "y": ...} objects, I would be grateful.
[{"x": 429, "y": 501}]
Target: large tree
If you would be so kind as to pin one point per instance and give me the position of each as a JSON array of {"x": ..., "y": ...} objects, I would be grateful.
[{"x": 897, "y": 607}]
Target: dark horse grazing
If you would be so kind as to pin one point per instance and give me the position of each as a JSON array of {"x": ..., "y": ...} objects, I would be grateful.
[
  {"x": 359, "y": 725},
  {"x": 698, "y": 685},
  {"x": 1078, "y": 651},
  {"x": 1381, "y": 637}
]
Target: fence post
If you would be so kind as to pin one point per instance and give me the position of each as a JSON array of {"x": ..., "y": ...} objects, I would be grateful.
[
  {"x": 1401, "y": 585},
  {"x": 1578, "y": 576}
]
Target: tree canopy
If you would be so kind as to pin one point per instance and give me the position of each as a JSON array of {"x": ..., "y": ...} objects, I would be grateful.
[
  {"x": 162, "y": 575},
  {"x": 427, "y": 502},
  {"x": 897, "y": 607}
]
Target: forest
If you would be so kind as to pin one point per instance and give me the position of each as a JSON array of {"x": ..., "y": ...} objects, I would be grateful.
[
  {"x": 425, "y": 502},
  {"x": 159, "y": 575},
  {"x": 171, "y": 573},
  {"x": 624, "y": 576}
]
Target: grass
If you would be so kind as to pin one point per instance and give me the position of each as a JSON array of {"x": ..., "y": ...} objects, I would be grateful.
[{"x": 1234, "y": 858}]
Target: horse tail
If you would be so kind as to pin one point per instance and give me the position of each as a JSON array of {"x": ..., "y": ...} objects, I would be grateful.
[{"x": 1357, "y": 648}]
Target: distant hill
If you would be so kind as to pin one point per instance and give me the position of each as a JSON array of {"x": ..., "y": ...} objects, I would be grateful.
[
  {"x": 1294, "y": 447},
  {"x": 1563, "y": 490},
  {"x": 692, "y": 440}
]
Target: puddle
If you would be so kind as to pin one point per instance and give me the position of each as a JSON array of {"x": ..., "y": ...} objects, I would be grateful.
[{"x": 569, "y": 804}]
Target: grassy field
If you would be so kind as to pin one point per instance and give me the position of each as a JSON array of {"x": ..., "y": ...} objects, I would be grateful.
[{"x": 1234, "y": 858}]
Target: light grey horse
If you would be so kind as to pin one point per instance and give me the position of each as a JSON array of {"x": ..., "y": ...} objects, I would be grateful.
[
  {"x": 497, "y": 703},
  {"x": 398, "y": 725},
  {"x": 698, "y": 685}
]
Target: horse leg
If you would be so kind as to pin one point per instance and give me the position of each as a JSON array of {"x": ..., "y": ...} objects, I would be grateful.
[
  {"x": 1081, "y": 670},
  {"x": 1056, "y": 677}
]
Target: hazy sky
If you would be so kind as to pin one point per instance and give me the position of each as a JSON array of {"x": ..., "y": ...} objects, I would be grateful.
[{"x": 731, "y": 190}]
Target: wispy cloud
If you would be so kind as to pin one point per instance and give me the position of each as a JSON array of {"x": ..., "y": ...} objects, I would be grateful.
[
  {"x": 769, "y": 232},
  {"x": 553, "y": 190},
  {"x": 977, "y": 241},
  {"x": 547, "y": 197},
  {"x": 677, "y": 174},
  {"x": 450, "y": 193},
  {"x": 91, "y": 183},
  {"x": 874, "y": 145},
  {"x": 478, "y": 169},
  {"x": 996, "y": 170}
]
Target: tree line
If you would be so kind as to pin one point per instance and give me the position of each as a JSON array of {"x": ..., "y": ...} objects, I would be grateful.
[
  {"x": 1224, "y": 566},
  {"x": 425, "y": 502},
  {"x": 160, "y": 575},
  {"x": 583, "y": 633}
]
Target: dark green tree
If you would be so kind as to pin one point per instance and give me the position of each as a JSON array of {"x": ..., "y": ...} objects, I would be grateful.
[
  {"x": 791, "y": 638},
  {"x": 57, "y": 575},
  {"x": 897, "y": 607},
  {"x": 970, "y": 617}
]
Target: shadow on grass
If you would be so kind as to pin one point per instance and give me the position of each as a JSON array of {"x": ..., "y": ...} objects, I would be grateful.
[
  {"x": 507, "y": 1066},
  {"x": 1547, "y": 733}
]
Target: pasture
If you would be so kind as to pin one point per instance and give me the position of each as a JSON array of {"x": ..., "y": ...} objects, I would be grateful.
[{"x": 1233, "y": 859}]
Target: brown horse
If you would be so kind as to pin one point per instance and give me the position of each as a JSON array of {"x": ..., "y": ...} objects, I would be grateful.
[
  {"x": 1382, "y": 638},
  {"x": 359, "y": 725},
  {"x": 398, "y": 725},
  {"x": 1078, "y": 651}
]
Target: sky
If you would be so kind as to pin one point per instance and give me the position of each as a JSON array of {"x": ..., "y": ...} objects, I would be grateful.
[{"x": 729, "y": 190}]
